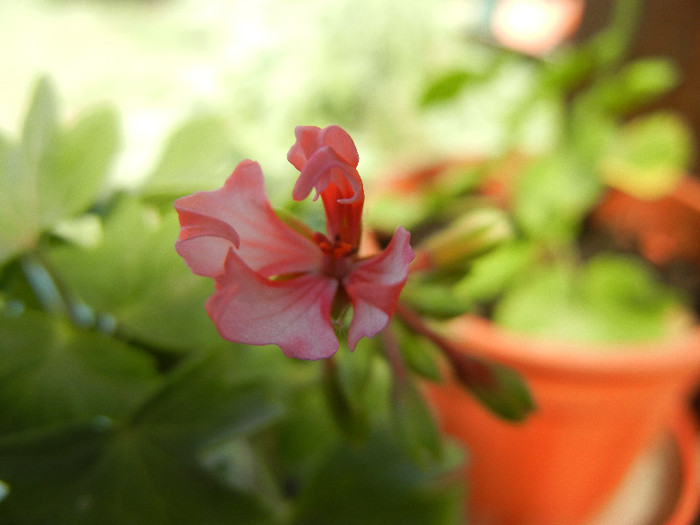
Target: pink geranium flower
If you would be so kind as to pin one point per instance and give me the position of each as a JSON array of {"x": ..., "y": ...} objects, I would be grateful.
[{"x": 284, "y": 285}]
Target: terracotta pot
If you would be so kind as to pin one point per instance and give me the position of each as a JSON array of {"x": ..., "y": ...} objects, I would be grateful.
[
  {"x": 597, "y": 411},
  {"x": 598, "y": 408}
]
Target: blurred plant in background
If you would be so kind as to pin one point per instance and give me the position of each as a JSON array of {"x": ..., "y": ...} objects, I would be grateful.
[{"x": 574, "y": 133}]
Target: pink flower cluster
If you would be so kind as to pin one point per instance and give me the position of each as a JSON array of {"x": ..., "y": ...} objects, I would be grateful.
[{"x": 284, "y": 285}]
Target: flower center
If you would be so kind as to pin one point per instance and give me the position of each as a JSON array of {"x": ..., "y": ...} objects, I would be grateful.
[
  {"x": 336, "y": 249},
  {"x": 336, "y": 262}
]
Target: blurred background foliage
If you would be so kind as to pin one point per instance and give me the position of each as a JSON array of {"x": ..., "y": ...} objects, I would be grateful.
[{"x": 120, "y": 403}]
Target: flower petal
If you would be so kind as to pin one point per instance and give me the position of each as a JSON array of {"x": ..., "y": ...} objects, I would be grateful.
[
  {"x": 374, "y": 286},
  {"x": 312, "y": 138},
  {"x": 323, "y": 156},
  {"x": 294, "y": 314},
  {"x": 239, "y": 214}
]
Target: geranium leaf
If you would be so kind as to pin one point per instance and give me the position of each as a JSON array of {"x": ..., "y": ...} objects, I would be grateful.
[
  {"x": 155, "y": 299},
  {"x": 52, "y": 372},
  {"x": 54, "y": 173},
  {"x": 374, "y": 483}
]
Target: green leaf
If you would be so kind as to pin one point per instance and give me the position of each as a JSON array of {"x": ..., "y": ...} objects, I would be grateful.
[
  {"x": 446, "y": 87},
  {"x": 207, "y": 398},
  {"x": 76, "y": 166},
  {"x": 472, "y": 233},
  {"x": 375, "y": 483},
  {"x": 436, "y": 299},
  {"x": 51, "y": 372},
  {"x": 19, "y": 223},
  {"x": 418, "y": 354},
  {"x": 497, "y": 387},
  {"x": 545, "y": 303},
  {"x": 649, "y": 156},
  {"x": 148, "y": 469},
  {"x": 413, "y": 424},
  {"x": 610, "y": 300},
  {"x": 196, "y": 157},
  {"x": 345, "y": 380},
  {"x": 553, "y": 195},
  {"x": 53, "y": 174},
  {"x": 491, "y": 274},
  {"x": 155, "y": 299},
  {"x": 629, "y": 303},
  {"x": 636, "y": 85},
  {"x": 41, "y": 123},
  {"x": 120, "y": 476}
]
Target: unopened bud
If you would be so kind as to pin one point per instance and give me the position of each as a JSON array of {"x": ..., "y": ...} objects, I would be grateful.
[{"x": 468, "y": 236}]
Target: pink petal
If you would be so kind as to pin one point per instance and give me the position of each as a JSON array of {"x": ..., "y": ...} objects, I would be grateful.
[
  {"x": 239, "y": 214},
  {"x": 294, "y": 314},
  {"x": 322, "y": 156},
  {"x": 374, "y": 286},
  {"x": 308, "y": 141},
  {"x": 340, "y": 141}
]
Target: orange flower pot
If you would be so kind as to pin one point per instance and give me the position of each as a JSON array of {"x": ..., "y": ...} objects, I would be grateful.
[{"x": 599, "y": 409}]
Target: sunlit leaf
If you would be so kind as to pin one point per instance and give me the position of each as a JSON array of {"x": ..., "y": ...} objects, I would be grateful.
[
  {"x": 649, "y": 156},
  {"x": 41, "y": 122},
  {"x": 196, "y": 157},
  {"x": 637, "y": 84},
  {"x": 610, "y": 300},
  {"x": 76, "y": 165},
  {"x": 19, "y": 223},
  {"x": 552, "y": 196},
  {"x": 54, "y": 173},
  {"x": 446, "y": 87}
]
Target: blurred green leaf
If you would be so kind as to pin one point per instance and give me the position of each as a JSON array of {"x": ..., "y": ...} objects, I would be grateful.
[
  {"x": 545, "y": 303},
  {"x": 611, "y": 299},
  {"x": 147, "y": 470},
  {"x": 635, "y": 85},
  {"x": 197, "y": 156},
  {"x": 154, "y": 297},
  {"x": 54, "y": 173},
  {"x": 434, "y": 298},
  {"x": 649, "y": 156},
  {"x": 492, "y": 273},
  {"x": 41, "y": 123},
  {"x": 629, "y": 302},
  {"x": 18, "y": 223},
  {"x": 345, "y": 382},
  {"x": 376, "y": 483},
  {"x": 447, "y": 86},
  {"x": 497, "y": 387},
  {"x": 51, "y": 372},
  {"x": 508, "y": 396},
  {"x": 207, "y": 398},
  {"x": 413, "y": 424},
  {"x": 473, "y": 232},
  {"x": 76, "y": 165},
  {"x": 552, "y": 196},
  {"x": 418, "y": 354}
]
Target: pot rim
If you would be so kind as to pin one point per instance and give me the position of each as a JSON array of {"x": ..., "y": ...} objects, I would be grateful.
[{"x": 677, "y": 357}]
